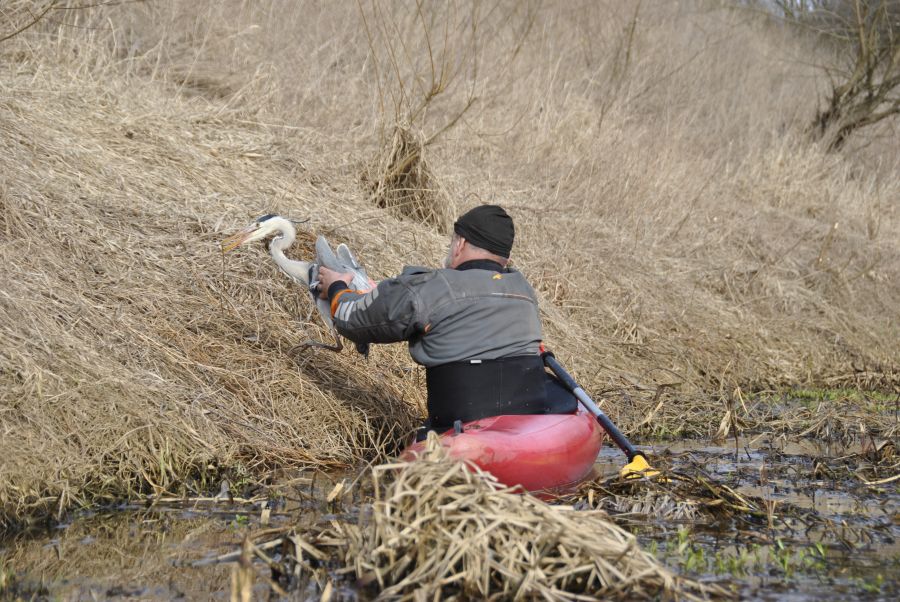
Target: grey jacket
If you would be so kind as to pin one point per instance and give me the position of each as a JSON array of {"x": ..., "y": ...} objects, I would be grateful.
[{"x": 447, "y": 315}]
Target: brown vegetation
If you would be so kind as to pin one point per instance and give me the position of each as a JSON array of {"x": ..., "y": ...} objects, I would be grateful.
[
  {"x": 437, "y": 528},
  {"x": 683, "y": 237}
]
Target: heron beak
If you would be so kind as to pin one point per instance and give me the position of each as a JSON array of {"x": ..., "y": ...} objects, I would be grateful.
[{"x": 237, "y": 239}]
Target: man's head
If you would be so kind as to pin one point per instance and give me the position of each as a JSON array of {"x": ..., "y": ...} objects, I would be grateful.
[{"x": 485, "y": 232}]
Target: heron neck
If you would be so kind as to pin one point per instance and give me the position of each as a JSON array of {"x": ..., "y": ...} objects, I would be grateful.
[{"x": 287, "y": 236}]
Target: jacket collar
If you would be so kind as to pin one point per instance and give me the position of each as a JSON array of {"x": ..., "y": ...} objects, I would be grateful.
[{"x": 481, "y": 264}]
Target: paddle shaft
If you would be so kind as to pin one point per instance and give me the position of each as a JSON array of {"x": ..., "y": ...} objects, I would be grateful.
[{"x": 603, "y": 419}]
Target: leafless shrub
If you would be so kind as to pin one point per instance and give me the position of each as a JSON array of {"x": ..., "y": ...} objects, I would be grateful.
[
  {"x": 865, "y": 84},
  {"x": 402, "y": 182},
  {"x": 422, "y": 57},
  {"x": 20, "y": 15}
]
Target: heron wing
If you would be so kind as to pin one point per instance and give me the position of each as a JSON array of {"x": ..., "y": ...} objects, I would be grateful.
[
  {"x": 341, "y": 261},
  {"x": 325, "y": 256}
]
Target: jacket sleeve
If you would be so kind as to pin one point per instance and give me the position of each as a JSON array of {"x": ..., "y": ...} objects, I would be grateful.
[{"x": 386, "y": 314}]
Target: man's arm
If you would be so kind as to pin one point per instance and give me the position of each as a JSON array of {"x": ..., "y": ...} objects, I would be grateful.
[{"x": 385, "y": 314}]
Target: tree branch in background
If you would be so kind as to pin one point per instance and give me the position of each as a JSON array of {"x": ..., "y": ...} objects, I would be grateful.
[
  {"x": 867, "y": 90},
  {"x": 34, "y": 18},
  {"x": 27, "y": 10},
  {"x": 427, "y": 57}
]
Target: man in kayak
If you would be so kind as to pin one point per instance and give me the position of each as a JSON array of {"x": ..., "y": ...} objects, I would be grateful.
[{"x": 474, "y": 325}]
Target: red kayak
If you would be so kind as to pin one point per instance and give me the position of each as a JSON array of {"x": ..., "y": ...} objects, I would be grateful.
[{"x": 538, "y": 452}]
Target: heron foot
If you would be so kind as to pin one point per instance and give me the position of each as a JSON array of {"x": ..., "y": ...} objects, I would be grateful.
[{"x": 336, "y": 347}]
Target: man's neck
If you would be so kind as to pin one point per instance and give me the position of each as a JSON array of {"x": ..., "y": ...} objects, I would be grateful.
[{"x": 481, "y": 264}]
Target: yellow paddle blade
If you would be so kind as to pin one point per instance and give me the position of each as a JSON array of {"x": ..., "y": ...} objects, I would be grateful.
[{"x": 638, "y": 468}]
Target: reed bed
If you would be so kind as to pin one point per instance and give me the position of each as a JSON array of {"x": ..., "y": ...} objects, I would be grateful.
[{"x": 837, "y": 418}]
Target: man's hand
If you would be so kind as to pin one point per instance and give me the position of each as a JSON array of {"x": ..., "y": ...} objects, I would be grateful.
[{"x": 328, "y": 277}]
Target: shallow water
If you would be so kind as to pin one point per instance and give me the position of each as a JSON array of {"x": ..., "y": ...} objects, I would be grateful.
[
  {"x": 170, "y": 549},
  {"x": 834, "y": 535},
  {"x": 848, "y": 546},
  {"x": 124, "y": 554}
]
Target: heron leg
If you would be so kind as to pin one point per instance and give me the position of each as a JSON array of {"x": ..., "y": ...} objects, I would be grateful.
[{"x": 337, "y": 347}]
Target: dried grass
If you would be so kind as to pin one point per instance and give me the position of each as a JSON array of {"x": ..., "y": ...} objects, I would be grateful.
[
  {"x": 841, "y": 418},
  {"x": 132, "y": 356},
  {"x": 438, "y": 529},
  {"x": 679, "y": 232},
  {"x": 672, "y": 496},
  {"x": 436, "y": 525},
  {"x": 402, "y": 182},
  {"x": 692, "y": 496}
]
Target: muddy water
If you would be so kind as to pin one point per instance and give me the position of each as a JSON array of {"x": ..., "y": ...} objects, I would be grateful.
[
  {"x": 126, "y": 554},
  {"x": 159, "y": 550},
  {"x": 832, "y": 535}
]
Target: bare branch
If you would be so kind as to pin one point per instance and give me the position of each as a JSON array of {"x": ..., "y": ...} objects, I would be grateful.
[
  {"x": 30, "y": 24},
  {"x": 865, "y": 29}
]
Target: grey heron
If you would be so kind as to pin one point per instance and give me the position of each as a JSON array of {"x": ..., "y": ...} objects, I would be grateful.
[{"x": 302, "y": 272}]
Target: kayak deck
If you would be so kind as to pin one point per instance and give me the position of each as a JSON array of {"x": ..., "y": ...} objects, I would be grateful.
[{"x": 538, "y": 452}]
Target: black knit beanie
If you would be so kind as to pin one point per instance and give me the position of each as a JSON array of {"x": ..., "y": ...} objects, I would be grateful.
[{"x": 488, "y": 227}]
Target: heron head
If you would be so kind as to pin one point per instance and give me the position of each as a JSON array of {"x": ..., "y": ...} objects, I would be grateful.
[{"x": 260, "y": 229}]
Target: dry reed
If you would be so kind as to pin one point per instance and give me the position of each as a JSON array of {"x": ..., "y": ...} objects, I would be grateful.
[
  {"x": 401, "y": 181},
  {"x": 672, "y": 496},
  {"x": 438, "y": 528},
  {"x": 691, "y": 495}
]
